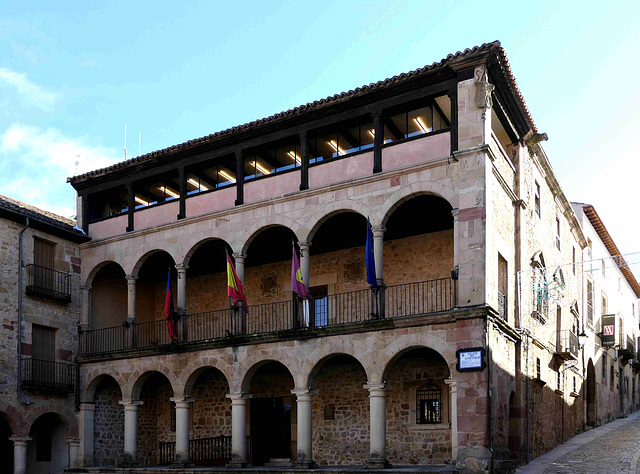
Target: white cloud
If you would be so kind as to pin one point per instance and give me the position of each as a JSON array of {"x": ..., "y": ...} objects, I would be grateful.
[
  {"x": 27, "y": 91},
  {"x": 35, "y": 164}
]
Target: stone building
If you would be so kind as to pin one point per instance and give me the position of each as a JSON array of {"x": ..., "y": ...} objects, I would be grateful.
[
  {"x": 450, "y": 359},
  {"x": 40, "y": 291},
  {"x": 611, "y": 293}
]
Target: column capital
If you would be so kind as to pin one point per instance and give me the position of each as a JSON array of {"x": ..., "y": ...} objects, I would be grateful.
[
  {"x": 239, "y": 398},
  {"x": 85, "y": 287},
  {"x": 181, "y": 267},
  {"x": 452, "y": 383},
  {"x": 304, "y": 245},
  {"x": 304, "y": 392},
  {"x": 378, "y": 230},
  {"x": 454, "y": 213},
  {"x": 73, "y": 441},
  {"x": 376, "y": 389},
  {"x": 131, "y": 279},
  {"x": 130, "y": 404},
  {"x": 182, "y": 402},
  {"x": 239, "y": 255},
  {"x": 20, "y": 440}
]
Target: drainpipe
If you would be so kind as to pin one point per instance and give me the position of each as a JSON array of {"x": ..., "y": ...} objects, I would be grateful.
[{"x": 24, "y": 400}]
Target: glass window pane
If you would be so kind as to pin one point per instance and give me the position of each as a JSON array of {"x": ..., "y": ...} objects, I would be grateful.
[
  {"x": 367, "y": 135},
  {"x": 419, "y": 122},
  {"x": 327, "y": 146}
]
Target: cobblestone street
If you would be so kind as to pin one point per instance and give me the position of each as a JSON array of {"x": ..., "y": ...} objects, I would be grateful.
[{"x": 614, "y": 447}]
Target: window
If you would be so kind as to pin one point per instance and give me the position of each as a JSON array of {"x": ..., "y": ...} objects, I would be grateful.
[
  {"x": 502, "y": 287},
  {"x": 536, "y": 199},
  {"x": 538, "y": 369},
  {"x": 111, "y": 202},
  {"x": 319, "y": 295},
  {"x": 43, "y": 253},
  {"x": 558, "y": 380},
  {"x": 604, "y": 272},
  {"x": 273, "y": 158},
  {"x": 410, "y": 121},
  {"x": 604, "y": 304},
  {"x": 156, "y": 190},
  {"x": 43, "y": 354},
  {"x": 211, "y": 174},
  {"x": 573, "y": 259},
  {"x": 428, "y": 404},
  {"x": 590, "y": 302},
  {"x": 557, "y": 233}
]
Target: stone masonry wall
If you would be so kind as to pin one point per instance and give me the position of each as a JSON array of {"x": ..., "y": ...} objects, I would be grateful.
[
  {"x": 211, "y": 408},
  {"x": 108, "y": 433}
]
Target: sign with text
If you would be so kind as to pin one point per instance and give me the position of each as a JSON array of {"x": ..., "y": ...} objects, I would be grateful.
[
  {"x": 608, "y": 336},
  {"x": 470, "y": 359}
]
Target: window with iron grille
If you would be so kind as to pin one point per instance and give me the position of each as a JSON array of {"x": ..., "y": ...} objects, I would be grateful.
[{"x": 428, "y": 404}]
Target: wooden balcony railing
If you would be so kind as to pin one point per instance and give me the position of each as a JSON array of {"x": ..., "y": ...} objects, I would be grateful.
[
  {"x": 285, "y": 317},
  {"x": 48, "y": 375},
  {"x": 48, "y": 283}
]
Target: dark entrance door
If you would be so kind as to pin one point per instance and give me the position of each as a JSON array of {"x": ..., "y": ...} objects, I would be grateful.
[
  {"x": 591, "y": 394},
  {"x": 6, "y": 445},
  {"x": 270, "y": 429}
]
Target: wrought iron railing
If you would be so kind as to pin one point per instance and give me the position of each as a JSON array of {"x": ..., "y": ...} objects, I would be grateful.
[
  {"x": 411, "y": 299},
  {"x": 567, "y": 343},
  {"x": 214, "y": 451},
  {"x": 48, "y": 375},
  {"x": 627, "y": 349},
  {"x": 48, "y": 283},
  {"x": 502, "y": 306}
]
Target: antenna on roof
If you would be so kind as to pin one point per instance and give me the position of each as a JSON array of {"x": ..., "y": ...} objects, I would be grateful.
[
  {"x": 139, "y": 140},
  {"x": 125, "y": 140}
]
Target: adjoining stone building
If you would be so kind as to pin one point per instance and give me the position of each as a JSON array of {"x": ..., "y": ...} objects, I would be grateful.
[
  {"x": 445, "y": 362},
  {"x": 40, "y": 291}
]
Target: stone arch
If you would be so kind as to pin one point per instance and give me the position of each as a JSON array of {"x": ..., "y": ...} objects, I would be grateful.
[
  {"x": 243, "y": 242},
  {"x": 132, "y": 390},
  {"x": 315, "y": 360},
  {"x": 192, "y": 249},
  {"x": 94, "y": 271},
  {"x": 325, "y": 213},
  {"x": 190, "y": 374},
  {"x": 320, "y": 363},
  {"x": 13, "y": 418},
  {"x": 254, "y": 362},
  {"x": 88, "y": 394},
  {"x": 140, "y": 260},
  {"x": 381, "y": 216},
  {"x": 63, "y": 414},
  {"x": 413, "y": 341}
]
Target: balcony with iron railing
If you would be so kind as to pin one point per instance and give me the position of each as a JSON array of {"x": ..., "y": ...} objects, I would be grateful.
[
  {"x": 567, "y": 345},
  {"x": 48, "y": 283},
  {"x": 47, "y": 375},
  {"x": 627, "y": 350},
  {"x": 332, "y": 314}
]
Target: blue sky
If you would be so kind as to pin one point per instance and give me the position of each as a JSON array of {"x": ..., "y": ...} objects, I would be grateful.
[{"x": 72, "y": 74}]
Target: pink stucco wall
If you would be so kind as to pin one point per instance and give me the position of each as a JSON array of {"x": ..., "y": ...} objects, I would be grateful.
[
  {"x": 341, "y": 170},
  {"x": 273, "y": 186},
  {"x": 108, "y": 227},
  {"x": 417, "y": 151},
  {"x": 203, "y": 203},
  {"x": 145, "y": 218}
]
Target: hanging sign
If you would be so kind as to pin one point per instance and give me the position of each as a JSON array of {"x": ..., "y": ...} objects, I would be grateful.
[{"x": 608, "y": 336}]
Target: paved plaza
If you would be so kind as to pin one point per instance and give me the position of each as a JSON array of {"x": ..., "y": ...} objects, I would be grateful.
[{"x": 614, "y": 447}]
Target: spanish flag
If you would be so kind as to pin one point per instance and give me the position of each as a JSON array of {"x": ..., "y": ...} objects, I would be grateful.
[
  {"x": 297, "y": 281},
  {"x": 234, "y": 285}
]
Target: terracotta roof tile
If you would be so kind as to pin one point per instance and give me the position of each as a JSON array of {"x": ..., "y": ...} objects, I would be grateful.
[{"x": 47, "y": 217}]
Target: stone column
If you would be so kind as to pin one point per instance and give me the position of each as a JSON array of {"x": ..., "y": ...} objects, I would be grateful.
[
  {"x": 304, "y": 261},
  {"x": 20, "y": 453},
  {"x": 74, "y": 445},
  {"x": 182, "y": 431},
  {"x": 378, "y": 426},
  {"x": 305, "y": 430},
  {"x": 453, "y": 389},
  {"x": 239, "y": 258},
  {"x": 85, "y": 424},
  {"x": 130, "y": 432},
  {"x": 131, "y": 298},
  {"x": 86, "y": 306},
  {"x": 378, "y": 252},
  {"x": 182, "y": 288},
  {"x": 238, "y": 430}
]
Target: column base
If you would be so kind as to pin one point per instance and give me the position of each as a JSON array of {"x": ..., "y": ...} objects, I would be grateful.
[
  {"x": 377, "y": 464},
  {"x": 310, "y": 464}
]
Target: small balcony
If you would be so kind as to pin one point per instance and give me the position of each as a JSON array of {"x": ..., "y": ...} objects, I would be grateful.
[
  {"x": 567, "y": 345},
  {"x": 333, "y": 314},
  {"x": 48, "y": 376},
  {"x": 627, "y": 350},
  {"x": 48, "y": 283}
]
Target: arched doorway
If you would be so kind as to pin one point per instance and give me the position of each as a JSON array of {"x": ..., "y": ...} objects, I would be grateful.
[
  {"x": 6, "y": 446},
  {"x": 270, "y": 414},
  {"x": 592, "y": 412},
  {"x": 48, "y": 452}
]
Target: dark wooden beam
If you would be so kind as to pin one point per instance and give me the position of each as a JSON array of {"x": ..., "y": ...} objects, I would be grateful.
[
  {"x": 304, "y": 161},
  {"x": 239, "y": 177},
  {"x": 182, "y": 213},
  {"x": 131, "y": 199},
  {"x": 378, "y": 140}
]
